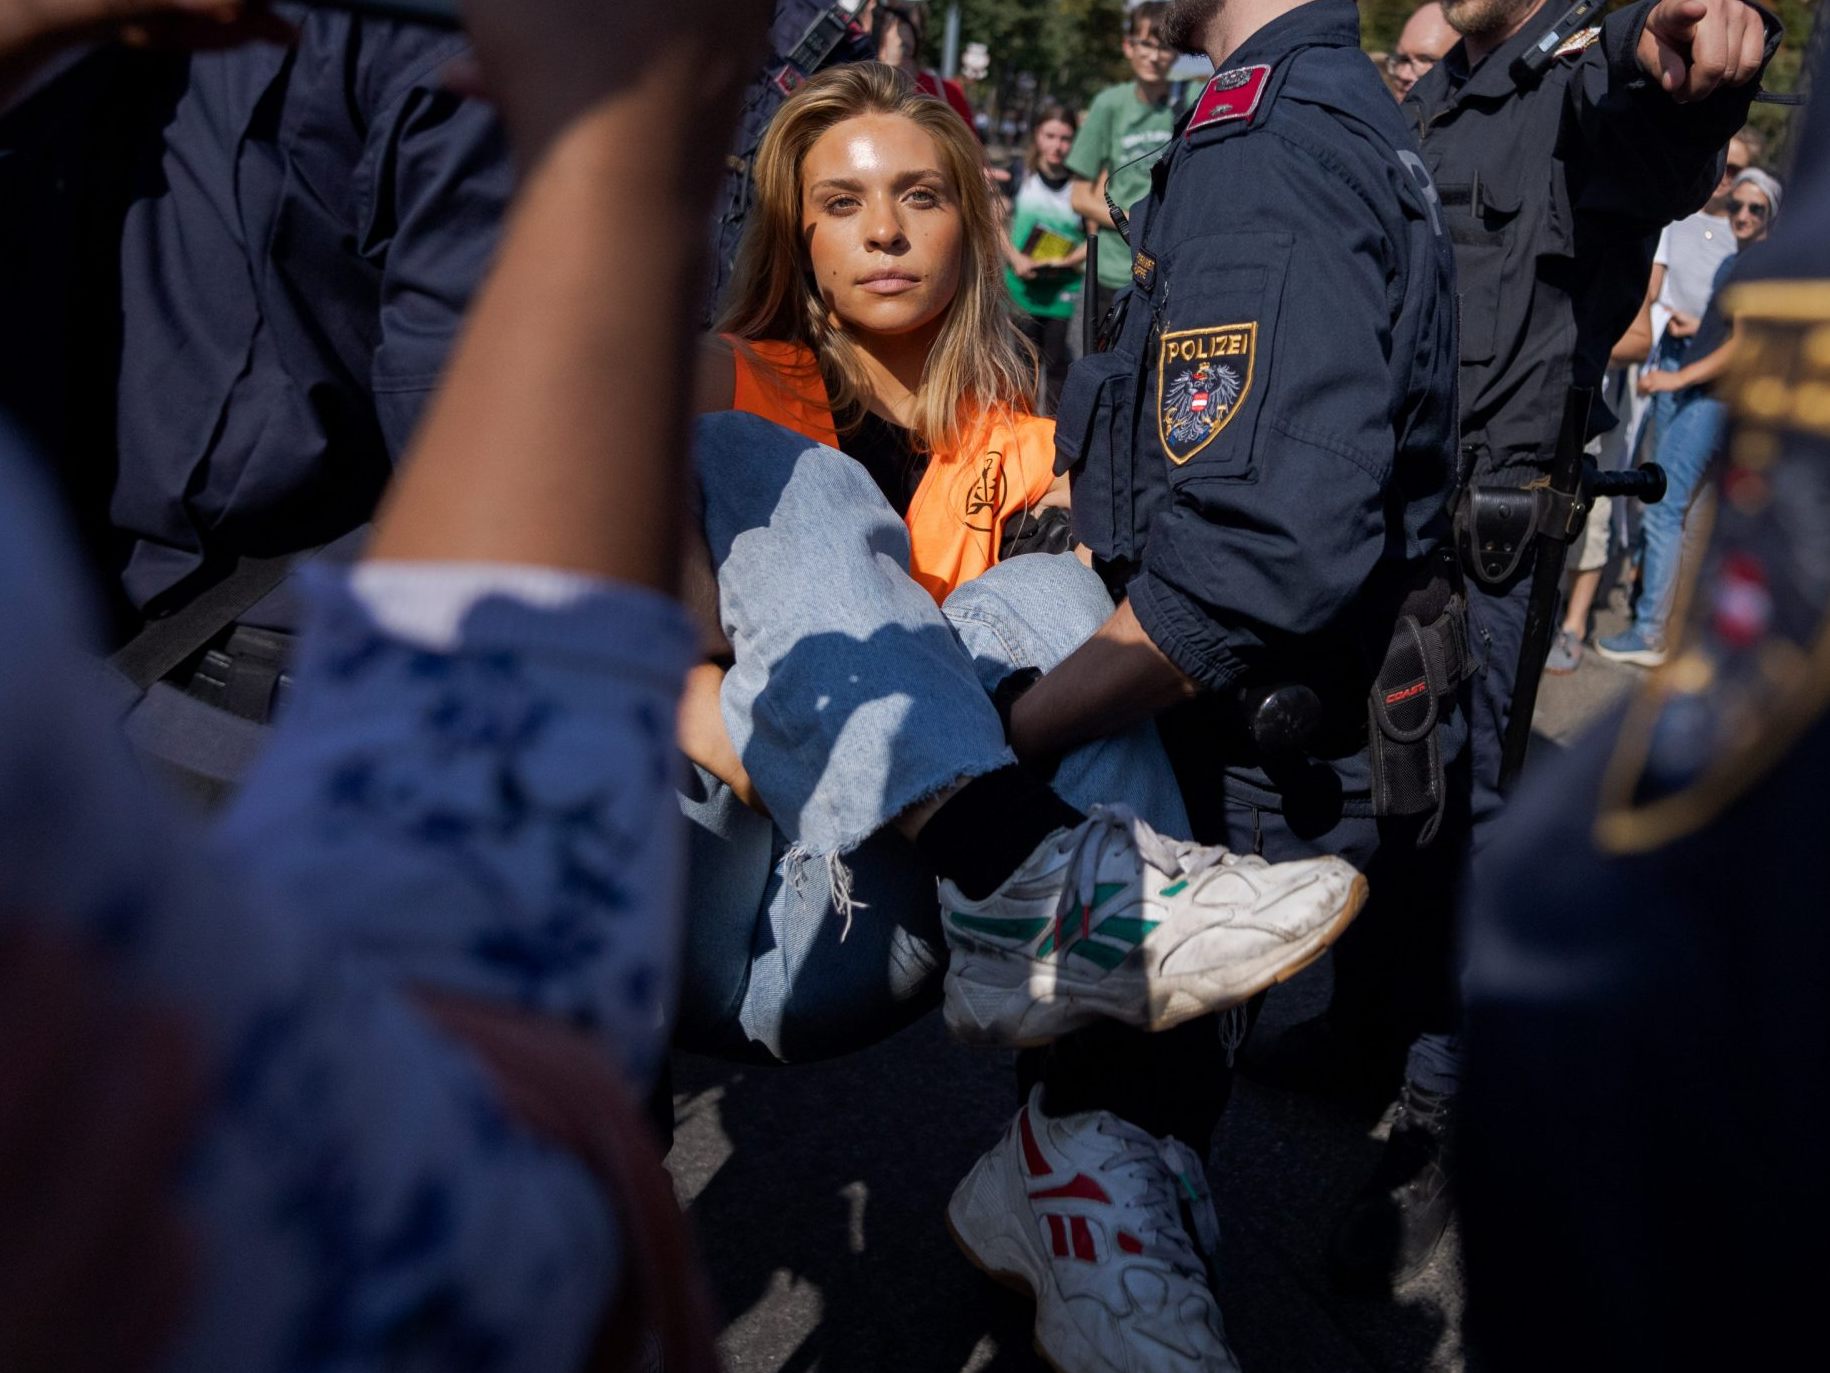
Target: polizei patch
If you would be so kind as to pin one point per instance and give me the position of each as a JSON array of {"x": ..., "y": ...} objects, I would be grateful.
[{"x": 1203, "y": 377}]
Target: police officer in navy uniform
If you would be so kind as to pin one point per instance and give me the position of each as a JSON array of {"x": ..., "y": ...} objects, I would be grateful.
[
  {"x": 243, "y": 270},
  {"x": 1262, "y": 466},
  {"x": 1558, "y": 153},
  {"x": 1556, "y": 175},
  {"x": 1649, "y": 1017},
  {"x": 1559, "y": 149}
]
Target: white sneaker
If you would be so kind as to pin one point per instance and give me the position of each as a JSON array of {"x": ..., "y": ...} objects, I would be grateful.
[
  {"x": 1111, "y": 921},
  {"x": 1091, "y": 1215}
]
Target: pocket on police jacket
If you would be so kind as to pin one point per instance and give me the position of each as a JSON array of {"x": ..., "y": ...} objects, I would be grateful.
[
  {"x": 1480, "y": 218},
  {"x": 1214, "y": 353},
  {"x": 1093, "y": 434}
]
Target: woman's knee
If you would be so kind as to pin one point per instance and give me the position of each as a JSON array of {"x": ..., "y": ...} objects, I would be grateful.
[
  {"x": 1029, "y": 611},
  {"x": 755, "y": 475}
]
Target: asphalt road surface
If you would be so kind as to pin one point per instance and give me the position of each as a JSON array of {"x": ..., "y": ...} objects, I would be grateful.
[{"x": 817, "y": 1195}]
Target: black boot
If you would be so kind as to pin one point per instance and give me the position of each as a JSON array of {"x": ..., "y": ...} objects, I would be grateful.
[
  {"x": 1393, "y": 1227},
  {"x": 1325, "y": 1057}
]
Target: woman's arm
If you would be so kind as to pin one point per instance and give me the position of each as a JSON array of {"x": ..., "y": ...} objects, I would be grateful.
[
  {"x": 1700, "y": 372},
  {"x": 1089, "y": 201},
  {"x": 1635, "y": 346},
  {"x": 704, "y": 739}
]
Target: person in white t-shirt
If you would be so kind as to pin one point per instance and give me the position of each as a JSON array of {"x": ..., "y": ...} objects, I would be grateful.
[{"x": 1684, "y": 267}]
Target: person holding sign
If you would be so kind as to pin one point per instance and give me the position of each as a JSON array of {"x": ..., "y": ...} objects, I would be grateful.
[{"x": 1048, "y": 246}]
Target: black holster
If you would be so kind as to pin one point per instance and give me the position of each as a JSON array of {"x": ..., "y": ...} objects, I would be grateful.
[
  {"x": 1495, "y": 530},
  {"x": 1413, "y": 697}
]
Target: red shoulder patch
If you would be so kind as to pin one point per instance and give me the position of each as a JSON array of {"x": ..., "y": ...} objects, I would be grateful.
[{"x": 1230, "y": 95}]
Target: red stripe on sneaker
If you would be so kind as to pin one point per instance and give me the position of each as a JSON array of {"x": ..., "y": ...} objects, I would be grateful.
[
  {"x": 1033, "y": 1159},
  {"x": 1083, "y": 1239},
  {"x": 1130, "y": 1243},
  {"x": 1082, "y": 1188},
  {"x": 1057, "y": 1233}
]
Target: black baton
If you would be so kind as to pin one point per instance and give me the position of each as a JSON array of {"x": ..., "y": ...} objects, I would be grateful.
[{"x": 1564, "y": 501}]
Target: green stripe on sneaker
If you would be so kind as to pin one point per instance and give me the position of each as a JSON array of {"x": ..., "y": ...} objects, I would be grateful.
[
  {"x": 1103, "y": 954},
  {"x": 1127, "y": 928},
  {"x": 1173, "y": 888},
  {"x": 1019, "y": 928}
]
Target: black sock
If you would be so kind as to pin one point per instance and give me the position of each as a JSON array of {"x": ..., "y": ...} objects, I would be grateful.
[{"x": 984, "y": 831}]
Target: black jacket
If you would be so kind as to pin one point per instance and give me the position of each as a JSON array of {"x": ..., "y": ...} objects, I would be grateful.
[{"x": 1555, "y": 191}]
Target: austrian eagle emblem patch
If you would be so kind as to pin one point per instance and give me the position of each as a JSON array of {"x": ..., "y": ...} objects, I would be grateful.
[{"x": 1203, "y": 377}]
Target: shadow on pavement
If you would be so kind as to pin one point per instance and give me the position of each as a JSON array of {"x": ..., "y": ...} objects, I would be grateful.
[{"x": 818, "y": 1193}]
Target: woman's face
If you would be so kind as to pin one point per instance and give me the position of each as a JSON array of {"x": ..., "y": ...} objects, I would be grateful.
[
  {"x": 882, "y": 224},
  {"x": 1749, "y": 213},
  {"x": 1053, "y": 140}
]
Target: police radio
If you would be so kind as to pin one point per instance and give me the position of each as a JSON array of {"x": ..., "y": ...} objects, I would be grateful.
[{"x": 1531, "y": 64}]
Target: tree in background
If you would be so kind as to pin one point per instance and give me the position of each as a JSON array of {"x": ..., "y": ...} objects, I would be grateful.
[{"x": 1067, "y": 49}]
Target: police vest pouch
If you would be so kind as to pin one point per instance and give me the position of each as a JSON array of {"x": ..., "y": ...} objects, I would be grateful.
[
  {"x": 1411, "y": 696},
  {"x": 1093, "y": 434},
  {"x": 1494, "y": 530}
]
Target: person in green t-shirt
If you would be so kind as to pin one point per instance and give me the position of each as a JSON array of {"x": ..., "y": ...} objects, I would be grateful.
[
  {"x": 1119, "y": 138},
  {"x": 1046, "y": 250}
]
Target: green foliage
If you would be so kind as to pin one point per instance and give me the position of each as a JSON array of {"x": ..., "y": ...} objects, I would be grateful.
[
  {"x": 1067, "y": 49},
  {"x": 1380, "y": 21},
  {"x": 1775, "y": 121}
]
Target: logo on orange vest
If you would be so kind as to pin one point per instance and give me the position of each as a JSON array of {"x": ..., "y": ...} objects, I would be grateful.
[
  {"x": 1203, "y": 377},
  {"x": 986, "y": 493}
]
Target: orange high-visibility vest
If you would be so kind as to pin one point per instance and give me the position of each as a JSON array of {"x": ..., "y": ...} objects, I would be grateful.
[{"x": 956, "y": 517}]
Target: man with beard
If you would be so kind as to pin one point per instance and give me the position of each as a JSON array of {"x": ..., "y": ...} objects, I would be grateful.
[
  {"x": 1558, "y": 157},
  {"x": 1262, "y": 468}
]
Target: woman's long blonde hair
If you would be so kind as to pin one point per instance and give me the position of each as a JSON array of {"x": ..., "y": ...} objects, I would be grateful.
[{"x": 979, "y": 364}]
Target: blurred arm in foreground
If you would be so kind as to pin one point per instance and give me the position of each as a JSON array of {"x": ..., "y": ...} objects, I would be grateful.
[{"x": 446, "y": 903}]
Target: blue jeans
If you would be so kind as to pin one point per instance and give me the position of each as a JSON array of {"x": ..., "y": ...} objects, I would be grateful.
[
  {"x": 1670, "y": 354},
  {"x": 853, "y": 697},
  {"x": 1687, "y": 440}
]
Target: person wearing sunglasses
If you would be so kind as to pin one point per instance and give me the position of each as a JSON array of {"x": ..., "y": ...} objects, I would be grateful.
[{"x": 1687, "y": 444}]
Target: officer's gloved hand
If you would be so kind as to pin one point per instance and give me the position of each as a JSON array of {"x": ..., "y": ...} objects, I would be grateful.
[{"x": 1692, "y": 47}]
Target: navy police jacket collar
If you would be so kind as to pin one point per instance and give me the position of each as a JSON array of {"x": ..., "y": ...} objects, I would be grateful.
[{"x": 1320, "y": 23}]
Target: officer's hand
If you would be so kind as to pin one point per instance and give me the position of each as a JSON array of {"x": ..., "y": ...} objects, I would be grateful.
[
  {"x": 1683, "y": 325},
  {"x": 1653, "y": 383},
  {"x": 547, "y": 63},
  {"x": 1691, "y": 47},
  {"x": 39, "y": 26}
]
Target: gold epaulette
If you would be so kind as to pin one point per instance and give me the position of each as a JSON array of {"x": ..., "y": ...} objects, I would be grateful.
[{"x": 1758, "y": 696}]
